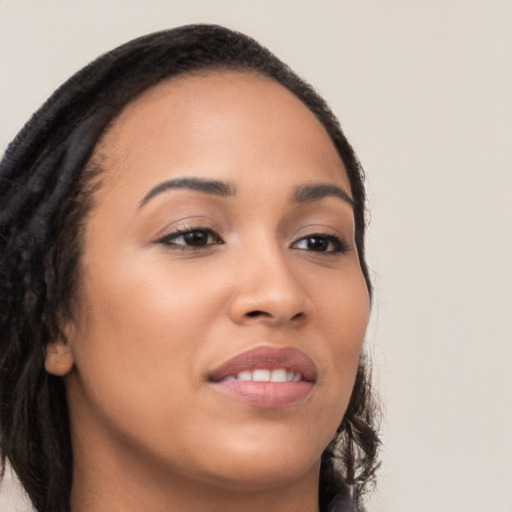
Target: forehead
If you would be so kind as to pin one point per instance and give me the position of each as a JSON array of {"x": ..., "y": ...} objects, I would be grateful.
[{"x": 212, "y": 117}]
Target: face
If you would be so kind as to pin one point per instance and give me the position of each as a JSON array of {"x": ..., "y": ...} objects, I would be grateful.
[{"x": 221, "y": 306}]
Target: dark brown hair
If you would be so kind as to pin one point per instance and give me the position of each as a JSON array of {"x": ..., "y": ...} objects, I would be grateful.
[{"x": 45, "y": 192}]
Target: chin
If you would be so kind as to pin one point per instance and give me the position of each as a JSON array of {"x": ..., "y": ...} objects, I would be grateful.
[
  {"x": 265, "y": 474},
  {"x": 250, "y": 466}
]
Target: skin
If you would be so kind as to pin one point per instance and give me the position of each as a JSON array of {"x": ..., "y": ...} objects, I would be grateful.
[{"x": 155, "y": 316}]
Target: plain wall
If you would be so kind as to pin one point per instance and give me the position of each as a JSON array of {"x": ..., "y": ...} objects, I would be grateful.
[{"x": 423, "y": 90}]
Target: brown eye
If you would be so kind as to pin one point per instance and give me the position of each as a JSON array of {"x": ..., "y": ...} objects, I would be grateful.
[
  {"x": 321, "y": 243},
  {"x": 192, "y": 238},
  {"x": 196, "y": 238}
]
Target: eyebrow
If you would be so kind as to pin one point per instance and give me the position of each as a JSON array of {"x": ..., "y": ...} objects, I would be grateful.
[
  {"x": 212, "y": 187},
  {"x": 318, "y": 191}
]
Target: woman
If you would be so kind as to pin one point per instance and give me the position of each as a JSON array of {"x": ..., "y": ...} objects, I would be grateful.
[{"x": 184, "y": 289}]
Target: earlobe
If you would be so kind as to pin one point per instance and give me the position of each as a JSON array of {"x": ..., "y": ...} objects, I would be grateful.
[{"x": 59, "y": 359}]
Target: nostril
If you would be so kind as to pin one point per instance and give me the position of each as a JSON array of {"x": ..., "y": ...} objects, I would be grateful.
[
  {"x": 298, "y": 316},
  {"x": 255, "y": 313}
]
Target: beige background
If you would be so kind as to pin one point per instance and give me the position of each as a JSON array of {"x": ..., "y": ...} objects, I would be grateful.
[{"x": 423, "y": 89}]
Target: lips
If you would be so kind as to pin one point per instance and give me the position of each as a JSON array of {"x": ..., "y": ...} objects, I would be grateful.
[{"x": 266, "y": 377}]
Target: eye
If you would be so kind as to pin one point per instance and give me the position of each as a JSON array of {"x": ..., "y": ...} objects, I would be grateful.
[
  {"x": 191, "y": 238},
  {"x": 321, "y": 242}
]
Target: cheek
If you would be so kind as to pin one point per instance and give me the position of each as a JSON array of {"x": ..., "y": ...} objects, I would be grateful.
[
  {"x": 344, "y": 308},
  {"x": 140, "y": 335},
  {"x": 145, "y": 299},
  {"x": 344, "y": 317}
]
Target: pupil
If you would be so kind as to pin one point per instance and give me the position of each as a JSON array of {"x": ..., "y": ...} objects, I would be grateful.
[
  {"x": 317, "y": 244},
  {"x": 196, "y": 238}
]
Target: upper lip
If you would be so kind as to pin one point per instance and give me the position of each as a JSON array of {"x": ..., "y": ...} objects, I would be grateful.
[{"x": 269, "y": 358}]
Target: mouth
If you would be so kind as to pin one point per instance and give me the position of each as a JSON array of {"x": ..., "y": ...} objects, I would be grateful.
[{"x": 266, "y": 377}]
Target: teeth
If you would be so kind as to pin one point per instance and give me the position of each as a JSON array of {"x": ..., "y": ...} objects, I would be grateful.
[
  {"x": 265, "y": 375},
  {"x": 261, "y": 375},
  {"x": 278, "y": 375}
]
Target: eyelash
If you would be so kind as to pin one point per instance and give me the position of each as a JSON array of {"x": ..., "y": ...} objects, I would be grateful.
[
  {"x": 335, "y": 245},
  {"x": 339, "y": 245},
  {"x": 170, "y": 239}
]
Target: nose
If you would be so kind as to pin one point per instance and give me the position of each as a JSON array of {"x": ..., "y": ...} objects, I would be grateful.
[{"x": 268, "y": 291}]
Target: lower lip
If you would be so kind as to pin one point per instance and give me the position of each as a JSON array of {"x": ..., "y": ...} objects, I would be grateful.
[{"x": 270, "y": 395}]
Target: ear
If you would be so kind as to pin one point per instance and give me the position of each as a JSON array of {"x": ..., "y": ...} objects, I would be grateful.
[{"x": 59, "y": 359}]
